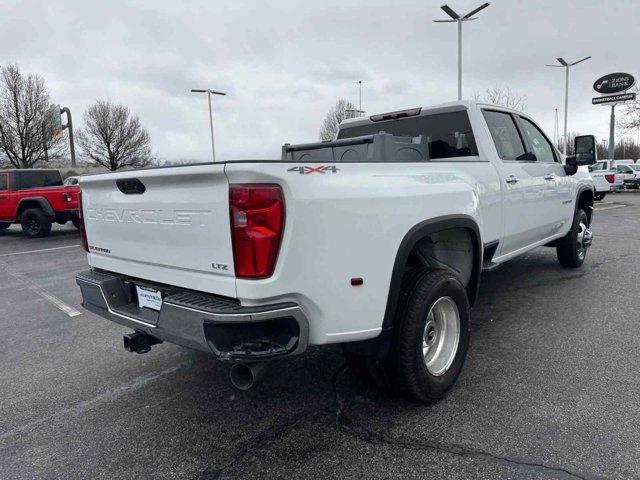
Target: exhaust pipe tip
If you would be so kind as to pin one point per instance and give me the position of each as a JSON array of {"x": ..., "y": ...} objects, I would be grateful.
[
  {"x": 139, "y": 342},
  {"x": 245, "y": 375}
]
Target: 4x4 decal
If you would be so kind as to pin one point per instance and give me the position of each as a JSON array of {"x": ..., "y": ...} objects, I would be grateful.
[{"x": 306, "y": 170}]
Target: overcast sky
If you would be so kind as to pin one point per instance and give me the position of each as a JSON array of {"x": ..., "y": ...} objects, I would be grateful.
[{"x": 284, "y": 63}]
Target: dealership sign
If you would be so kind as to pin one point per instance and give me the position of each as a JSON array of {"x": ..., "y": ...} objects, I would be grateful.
[
  {"x": 613, "y": 98},
  {"x": 614, "y": 83}
]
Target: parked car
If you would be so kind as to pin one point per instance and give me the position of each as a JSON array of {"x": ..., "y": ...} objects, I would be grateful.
[
  {"x": 631, "y": 175},
  {"x": 36, "y": 199},
  {"x": 627, "y": 161},
  {"x": 375, "y": 241}
]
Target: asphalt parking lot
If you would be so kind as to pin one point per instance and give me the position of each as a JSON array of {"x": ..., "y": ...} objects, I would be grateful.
[{"x": 550, "y": 388}]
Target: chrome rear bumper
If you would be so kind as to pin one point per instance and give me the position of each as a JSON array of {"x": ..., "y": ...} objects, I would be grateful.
[{"x": 205, "y": 322}]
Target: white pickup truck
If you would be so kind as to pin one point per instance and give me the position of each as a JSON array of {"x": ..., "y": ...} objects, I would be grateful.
[
  {"x": 606, "y": 177},
  {"x": 375, "y": 241}
]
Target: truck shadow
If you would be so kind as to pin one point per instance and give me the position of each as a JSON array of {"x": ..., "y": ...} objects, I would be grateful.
[
  {"x": 306, "y": 407},
  {"x": 56, "y": 232}
]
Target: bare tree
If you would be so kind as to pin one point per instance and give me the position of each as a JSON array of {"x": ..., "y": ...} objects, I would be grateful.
[
  {"x": 504, "y": 97},
  {"x": 629, "y": 118},
  {"x": 626, "y": 148},
  {"x": 114, "y": 138},
  {"x": 602, "y": 150},
  {"x": 24, "y": 128},
  {"x": 571, "y": 137},
  {"x": 332, "y": 119}
]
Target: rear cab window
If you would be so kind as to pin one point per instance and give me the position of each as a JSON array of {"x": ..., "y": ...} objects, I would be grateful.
[
  {"x": 4, "y": 181},
  {"x": 449, "y": 134}
]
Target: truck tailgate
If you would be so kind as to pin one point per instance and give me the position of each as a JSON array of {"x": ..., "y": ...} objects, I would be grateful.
[{"x": 169, "y": 225}]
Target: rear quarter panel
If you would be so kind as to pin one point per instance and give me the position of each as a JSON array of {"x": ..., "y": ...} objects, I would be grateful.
[
  {"x": 350, "y": 224},
  {"x": 54, "y": 195}
]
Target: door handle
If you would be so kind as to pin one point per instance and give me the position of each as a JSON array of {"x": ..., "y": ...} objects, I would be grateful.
[
  {"x": 511, "y": 179},
  {"x": 3, "y": 197},
  {"x": 549, "y": 176}
]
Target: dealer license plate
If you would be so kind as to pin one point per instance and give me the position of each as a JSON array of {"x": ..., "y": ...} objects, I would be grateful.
[{"x": 149, "y": 298}]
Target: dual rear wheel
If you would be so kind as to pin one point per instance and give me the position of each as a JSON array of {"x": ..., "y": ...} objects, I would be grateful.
[
  {"x": 431, "y": 334},
  {"x": 430, "y": 341}
]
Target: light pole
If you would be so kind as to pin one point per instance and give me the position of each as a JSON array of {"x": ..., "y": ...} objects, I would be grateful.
[
  {"x": 360, "y": 86},
  {"x": 458, "y": 19},
  {"x": 69, "y": 126},
  {"x": 566, "y": 66},
  {"x": 209, "y": 93}
]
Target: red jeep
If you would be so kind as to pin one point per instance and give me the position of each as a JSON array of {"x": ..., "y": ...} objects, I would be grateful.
[{"x": 36, "y": 199}]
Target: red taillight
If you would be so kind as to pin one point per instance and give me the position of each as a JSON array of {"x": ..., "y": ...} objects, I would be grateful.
[
  {"x": 257, "y": 223},
  {"x": 610, "y": 177},
  {"x": 83, "y": 232}
]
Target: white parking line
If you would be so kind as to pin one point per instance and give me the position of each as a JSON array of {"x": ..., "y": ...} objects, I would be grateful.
[
  {"x": 107, "y": 396},
  {"x": 609, "y": 207},
  {"x": 59, "y": 303},
  {"x": 41, "y": 291},
  {"x": 38, "y": 251}
]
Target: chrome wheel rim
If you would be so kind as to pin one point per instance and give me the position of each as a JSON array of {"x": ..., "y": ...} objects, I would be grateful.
[
  {"x": 441, "y": 336},
  {"x": 583, "y": 240}
]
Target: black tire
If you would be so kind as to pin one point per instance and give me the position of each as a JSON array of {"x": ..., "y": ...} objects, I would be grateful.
[
  {"x": 76, "y": 222},
  {"x": 600, "y": 196},
  {"x": 4, "y": 225},
  {"x": 35, "y": 224},
  {"x": 407, "y": 369},
  {"x": 572, "y": 252}
]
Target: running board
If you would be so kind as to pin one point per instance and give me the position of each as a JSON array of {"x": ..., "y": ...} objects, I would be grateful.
[
  {"x": 489, "y": 252},
  {"x": 489, "y": 266}
]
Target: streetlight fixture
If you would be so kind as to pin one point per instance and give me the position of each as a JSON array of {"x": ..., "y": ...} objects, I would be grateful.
[
  {"x": 566, "y": 65},
  {"x": 209, "y": 93},
  {"x": 459, "y": 19}
]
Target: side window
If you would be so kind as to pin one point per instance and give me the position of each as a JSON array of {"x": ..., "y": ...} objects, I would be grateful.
[
  {"x": 39, "y": 178},
  {"x": 597, "y": 166},
  {"x": 4, "y": 181},
  {"x": 541, "y": 147},
  {"x": 505, "y": 135}
]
